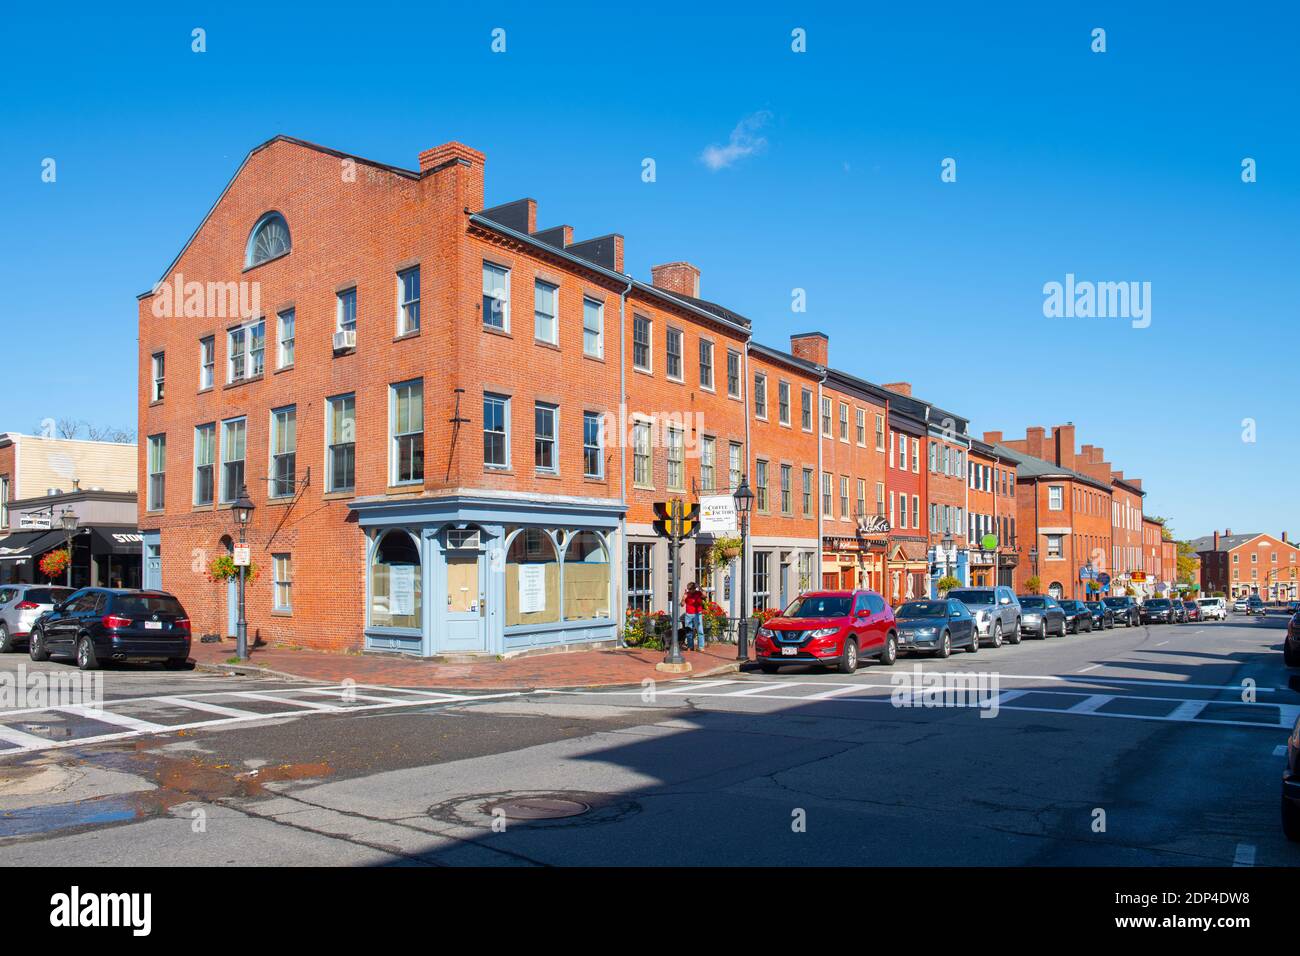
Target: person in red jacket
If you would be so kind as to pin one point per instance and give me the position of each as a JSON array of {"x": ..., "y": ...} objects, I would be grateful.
[{"x": 693, "y": 616}]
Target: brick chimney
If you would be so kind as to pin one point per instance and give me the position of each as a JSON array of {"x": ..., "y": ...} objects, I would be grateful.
[
  {"x": 812, "y": 347},
  {"x": 1063, "y": 441},
  {"x": 1227, "y": 532},
  {"x": 1284, "y": 541},
  {"x": 468, "y": 166},
  {"x": 1035, "y": 440},
  {"x": 1216, "y": 541},
  {"x": 993, "y": 438},
  {"x": 902, "y": 388},
  {"x": 679, "y": 277}
]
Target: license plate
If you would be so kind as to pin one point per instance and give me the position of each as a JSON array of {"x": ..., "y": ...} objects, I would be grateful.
[
  {"x": 153, "y": 625},
  {"x": 789, "y": 651}
]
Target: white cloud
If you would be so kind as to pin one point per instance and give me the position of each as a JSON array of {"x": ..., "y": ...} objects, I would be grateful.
[{"x": 745, "y": 141}]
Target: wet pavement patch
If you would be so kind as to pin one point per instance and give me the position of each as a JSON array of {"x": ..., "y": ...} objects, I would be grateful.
[{"x": 64, "y": 816}]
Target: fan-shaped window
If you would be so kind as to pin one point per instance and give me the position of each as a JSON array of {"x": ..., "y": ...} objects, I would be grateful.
[{"x": 269, "y": 238}]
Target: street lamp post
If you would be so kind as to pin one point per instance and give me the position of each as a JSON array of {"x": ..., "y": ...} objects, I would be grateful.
[
  {"x": 68, "y": 518},
  {"x": 243, "y": 511},
  {"x": 947, "y": 544},
  {"x": 1033, "y": 560},
  {"x": 744, "y": 501}
]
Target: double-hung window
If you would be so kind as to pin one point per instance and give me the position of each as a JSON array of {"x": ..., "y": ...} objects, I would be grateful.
[
  {"x": 733, "y": 373},
  {"x": 234, "y": 435},
  {"x": 341, "y": 438},
  {"x": 157, "y": 471},
  {"x": 593, "y": 454},
  {"x": 207, "y": 362},
  {"x": 826, "y": 417},
  {"x": 844, "y": 422},
  {"x": 245, "y": 347},
  {"x": 862, "y": 497},
  {"x": 706, "y": 364},
  {"x": 735, "y": 464},
  {"x": 640, "y": 577},
  {"x": 158, "y": 365},
  {"x": 805, "y": 409},
  {"x": 496, "y": 431},
  {"x": 1055, "y": 498},
  {"x": 676, "y": 460},
  {"x": 861, "y": 426},
  {"x": 783, "y": 403},
  {"x": 205, "y": 461},
  {"x": 641, "y": 474},
  {"x": 282, "y": 582},
  {"x": 787, "y": 504},
  {"x": 760, "y": 395},
  {"x": 828, "y": 501},
  {"x": 496, "y": 297},
  {"x": 642, "y": 330},
  {"x": 284, "y": 451},
  {"x": 708, "y": 462},
  {"x": 546, "y": 298},
  {"x": 807, "y": 492},
  {"x": 673, "y": 362},
  {"x": 880, "y": 433},
  {"x": 406, "y": 408},
  {"x": 545, "y": 426},
  {"x": 902, "y": 511},
  {"x": 284, "y": 339},
  {"x": 760, "y": 485},
  {"x": 408, "y": 301},
  {"x": 593, "y": 328},
  {"x": 345, "y": 311}
]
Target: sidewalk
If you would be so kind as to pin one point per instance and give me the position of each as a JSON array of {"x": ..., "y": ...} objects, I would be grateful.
[{"x": 575, "y": 669}]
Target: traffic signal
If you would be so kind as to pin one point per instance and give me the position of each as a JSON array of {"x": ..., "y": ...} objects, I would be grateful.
[
  {"x": 691, "y": 521},
  {"x": 663, "y": 523}
]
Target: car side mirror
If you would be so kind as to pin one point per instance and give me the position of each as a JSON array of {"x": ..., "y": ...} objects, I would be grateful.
[{"x": 1005, "y": 601}]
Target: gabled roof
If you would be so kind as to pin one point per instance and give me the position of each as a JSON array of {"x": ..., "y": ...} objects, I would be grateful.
[{"x": 1226, "y": 541}]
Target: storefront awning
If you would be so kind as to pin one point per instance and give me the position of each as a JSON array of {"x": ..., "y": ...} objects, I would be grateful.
[
  {"x": 29, "y": 544},
  {"x": 123, "y": 540}
]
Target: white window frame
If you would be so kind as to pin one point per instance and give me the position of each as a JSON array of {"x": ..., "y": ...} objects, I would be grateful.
[
  {"x": 499, "y": 294},
  {"x": 157, "y": 469},
  {"x": 282, "y": 583},
  {"x": 680, "y": 336},
  {"x": 158, "y": 373},
  {"x": 554, "y": 411},
  {"x": 540, "y": 286},
  {"x": 290, "y": 414},
  {"x": 244, "y": 334},
  {"x": 600, "y": 327},
  {"x": 504, "y": 402},
  {"x": 210, "y": 428},
  {"x": 783, "y": 402},
  {"x": 408, "y": 310},
  {"x": 227, "y": 495},
  {"x": 739, "y": 377},
  {"x": 331, "y": 411},
  {"x": 207, "y": 362},
  {"x": 341, "y": 322},
  {"x": 599, "y": 446},
  {"x": 395, "y": 437},
  {"x": 649, "y": 344},
  {"x": 285, "y": 344},
  {"x": 706, "y": 363}
]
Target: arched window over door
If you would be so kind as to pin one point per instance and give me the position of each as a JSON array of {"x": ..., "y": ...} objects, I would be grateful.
[{"x": 396, "y": 586}]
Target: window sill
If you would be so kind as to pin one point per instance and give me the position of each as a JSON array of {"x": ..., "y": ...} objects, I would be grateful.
[
  {"x": 239, "y": 382},
  {"x": 542, "y": 343},
  {"x": 155, "y": 403},
  {"x": 504, "y": 333},
  {"x": 403, "y": 336},
  {"x": 204, "y": 391},
  {"x": 339, "y": 495},
  {"x": 498, "y": 470},
  {"x": 594, "y": 358},
  {"x": 413, "y": 488},
  {"x": 548, "y": 475},
  {"x": 283, "y": 368},
  {"x": 258, "y": 265},
  {"x": 288, "y": 613},
  {"x": 347, "y": 351},
  {"x": 643, "y": 371}
]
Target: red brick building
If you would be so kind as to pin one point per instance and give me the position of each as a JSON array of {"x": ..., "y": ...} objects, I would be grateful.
[
  {"x": 1241, "y": 565},
  {"x": 992, "y": 511}
]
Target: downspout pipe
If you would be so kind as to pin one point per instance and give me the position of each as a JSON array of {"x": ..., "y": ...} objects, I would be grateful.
[{"x": 621, "y": 564}]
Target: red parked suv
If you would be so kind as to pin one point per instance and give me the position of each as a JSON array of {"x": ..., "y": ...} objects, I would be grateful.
[{"x": 829, "y": 627}]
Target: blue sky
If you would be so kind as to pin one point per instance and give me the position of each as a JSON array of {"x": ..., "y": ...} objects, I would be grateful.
[{"x": 1115, "y": 166}]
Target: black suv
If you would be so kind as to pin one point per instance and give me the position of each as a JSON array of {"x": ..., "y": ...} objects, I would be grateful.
[
  {"x": 96, "y": 625},
  {"x": 1160, "y": 611},
  {"x": 1125, "y": 609}
]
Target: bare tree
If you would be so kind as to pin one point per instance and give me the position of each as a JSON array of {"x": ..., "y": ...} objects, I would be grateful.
[{"x": 80, "y": 428}]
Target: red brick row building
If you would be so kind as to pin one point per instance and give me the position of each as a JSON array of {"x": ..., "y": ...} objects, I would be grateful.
[{"x": 454, "y": 422}]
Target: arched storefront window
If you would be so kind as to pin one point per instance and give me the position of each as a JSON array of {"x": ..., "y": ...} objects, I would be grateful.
[
  {"x": 532, "y": 579},
  {"x": 395, "y": 582},
  {"x": 586, "y": 578},
  {"x": 1055, "y": 590}
]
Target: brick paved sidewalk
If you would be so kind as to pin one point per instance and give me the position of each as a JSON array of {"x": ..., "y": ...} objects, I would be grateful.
[{"x": 575, "y": 669}]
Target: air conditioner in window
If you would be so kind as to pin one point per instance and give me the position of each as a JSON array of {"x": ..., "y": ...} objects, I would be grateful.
[{"x": 345, "y": 339}]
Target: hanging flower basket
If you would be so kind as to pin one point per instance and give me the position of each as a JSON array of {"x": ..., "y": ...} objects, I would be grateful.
[
  {"x": 223, "y": 568},
  {"x": 55, "y": 563},
  {"x": 724, "y": 550}
]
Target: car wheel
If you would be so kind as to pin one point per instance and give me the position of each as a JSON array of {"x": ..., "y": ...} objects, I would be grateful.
[
  {"x": 769, "y": 668},
  {"x": 997, "y": 634},
  {"x": 849, "y": 659},
  {"x": 36, "y": 649},
  {"x": 6, "y": 642},
  {"x": 889, "y": 653},
  {"x": 1042, "y": 631},
  {"x": 1291, "y": 820},
  {"x": 1015, "y": 634},
  {"x": 974, "y": 646},
  {"x": 86, "y": 659},
  {"x": 945, "y": 648}
]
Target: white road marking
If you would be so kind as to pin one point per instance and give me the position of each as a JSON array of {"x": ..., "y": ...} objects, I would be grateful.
[
  {"x": 108, "y": 717},
  {"x": 1090, "y": 704},
  {"x": 833, "y": 692},
  {"x": 1091, "y": 667},
  {"x": 206, "y": 706},
  {"x": 1245, "y": 855},
  {"x": 309, "y": 704},
  {"x": 24, "y": 741},
  {"x": 1188, "y": 709},
  {"x": 689, "y": 687},
  {"x": 1162, "y": 644}
]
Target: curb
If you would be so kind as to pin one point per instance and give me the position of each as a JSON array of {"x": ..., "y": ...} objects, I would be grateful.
[{"x": 243, "y": 670}]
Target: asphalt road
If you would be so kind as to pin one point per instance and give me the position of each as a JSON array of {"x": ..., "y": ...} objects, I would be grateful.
[{"x": 1151, "y": 746}]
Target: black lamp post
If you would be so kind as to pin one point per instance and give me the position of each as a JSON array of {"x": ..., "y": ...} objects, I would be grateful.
[
  {"x": 243, "y": 511},
  {"x": 947, "y": 543},
  {"x": 68, "y": 518},
  {"x": 744, "y": 501},
  {"x": 1033, "y": 559}
]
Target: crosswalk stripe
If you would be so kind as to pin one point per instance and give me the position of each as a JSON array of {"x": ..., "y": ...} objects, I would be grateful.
[
  {"x": 1091, "y": 705},
  {"x": 206, "y": 706},
  {"x": 108, "y": 717},
  {"x": 1188, "y": 709},
  {"x": 22, "y": 740},
  {"x": 309, "y": 704}
]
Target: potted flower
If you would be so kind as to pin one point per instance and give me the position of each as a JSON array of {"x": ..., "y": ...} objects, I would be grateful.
[
  {"x": 55, "y": 563},
  {"x": 223, "y": 568},
  {"x": 724, "y": 550},
  {"x": 715, "y": 620},
  {"x": 946, "y": 584}
]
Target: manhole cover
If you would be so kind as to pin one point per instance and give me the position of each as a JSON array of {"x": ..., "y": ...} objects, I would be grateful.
[{"x": 540, "y": 808}]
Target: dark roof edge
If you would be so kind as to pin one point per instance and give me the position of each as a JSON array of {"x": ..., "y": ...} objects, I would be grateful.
[{"x": 785, "y": 357}]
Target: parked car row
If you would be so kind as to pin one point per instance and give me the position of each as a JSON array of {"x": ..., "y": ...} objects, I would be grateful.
[
  {"x": 840, "y": 628},
  {"x": 93, "y": 626}
]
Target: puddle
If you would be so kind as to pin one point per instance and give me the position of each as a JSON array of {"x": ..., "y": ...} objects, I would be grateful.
[{"x": 63, "y": 816}]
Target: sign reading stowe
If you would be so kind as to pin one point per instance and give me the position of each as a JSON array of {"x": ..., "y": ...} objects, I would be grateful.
[{"x": 718, "y": 514}]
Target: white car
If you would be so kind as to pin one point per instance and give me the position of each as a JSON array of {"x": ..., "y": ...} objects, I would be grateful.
[
  {"x": 20, "y": 606},
  {"x": 1239, "y": 605},
  {"x": 1213, "y": 609}
]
